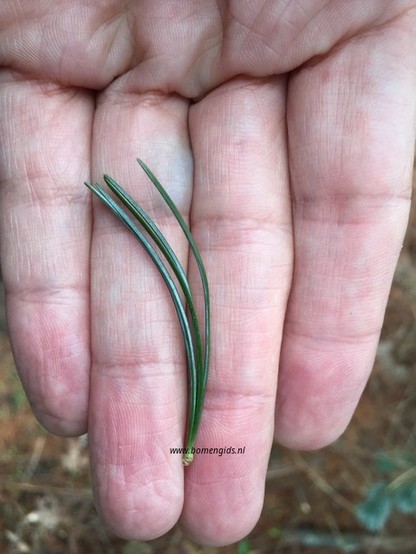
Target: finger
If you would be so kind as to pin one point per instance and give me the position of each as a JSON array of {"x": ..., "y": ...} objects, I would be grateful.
[
  {"x": 138, "y": 382},
  {"x": 241, "y": 221},
  {"x": 351, "y": 139},
  {"x": 45, "y": 237}
]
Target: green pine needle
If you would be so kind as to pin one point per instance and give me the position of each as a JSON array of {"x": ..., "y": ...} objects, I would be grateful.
[{"x": 197, "y": 349}]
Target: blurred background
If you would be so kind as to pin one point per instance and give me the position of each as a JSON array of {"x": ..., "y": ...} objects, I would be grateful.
[{"x": 355, "y": 496}]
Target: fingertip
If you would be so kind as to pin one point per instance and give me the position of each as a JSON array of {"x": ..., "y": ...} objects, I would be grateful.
[
  {"x": 53, "y": 363},
  {"x": 229, "y": 531},
  {"x": 140, "y": 509},
  {"x": 316, "y": 401},
  {"x": 65, "y": 424},
  {"x": 307, "y": 436},
  {"x": 225, "y": 493}
]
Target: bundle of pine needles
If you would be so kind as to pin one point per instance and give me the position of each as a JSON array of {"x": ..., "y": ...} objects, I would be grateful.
[{"x": 197, "y": 346}]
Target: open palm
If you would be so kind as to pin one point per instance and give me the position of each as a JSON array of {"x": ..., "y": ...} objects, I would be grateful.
[{"x": 284, "y": 131}]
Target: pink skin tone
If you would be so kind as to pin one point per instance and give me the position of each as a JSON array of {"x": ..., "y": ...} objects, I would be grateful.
[{"x": 284, "y": 132}]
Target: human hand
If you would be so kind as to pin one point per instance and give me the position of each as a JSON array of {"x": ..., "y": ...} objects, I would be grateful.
[{"x": 285, "y": 132}]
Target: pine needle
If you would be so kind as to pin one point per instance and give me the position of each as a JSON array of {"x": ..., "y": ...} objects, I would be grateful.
[{"x": 197, "y": 348}]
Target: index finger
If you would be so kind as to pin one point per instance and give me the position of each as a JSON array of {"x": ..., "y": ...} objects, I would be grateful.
[{"x": 45, "y": 132}]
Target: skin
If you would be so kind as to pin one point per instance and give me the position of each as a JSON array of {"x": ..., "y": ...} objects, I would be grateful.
[{"x": 284, "y": 131}]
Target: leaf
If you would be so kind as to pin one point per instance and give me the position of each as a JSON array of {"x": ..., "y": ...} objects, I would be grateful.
[
  {"x": 386, "y": 463},
  {"x": 243, "y": 547},
  {"x": 389, "y": 462},
  {"x": 404, "y": 498},
  {"x": 376, "y": 508}
]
